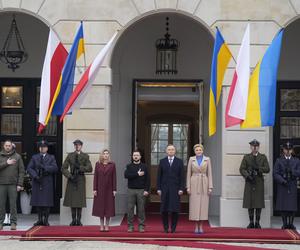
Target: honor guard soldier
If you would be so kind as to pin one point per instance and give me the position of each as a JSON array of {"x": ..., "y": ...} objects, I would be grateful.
[
  {"x": 252, "y": 168},
  {"x": 286, "y": 171},
  {"x": 74, "y": 168},
  {"x": 42, "y": 168}
]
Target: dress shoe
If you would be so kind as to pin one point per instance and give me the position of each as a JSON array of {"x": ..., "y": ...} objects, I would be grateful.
[
  {"x": 38, "y": 223},
  {"x": 166, "y": 230},
  {"x": 251, "y": 225},
  {"x": 291, "y": 226},
  {"x": 257, "y": 225},
  {"x": 73, "y": 222}
]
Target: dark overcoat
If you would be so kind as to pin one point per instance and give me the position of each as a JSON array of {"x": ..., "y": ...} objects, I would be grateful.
[
  {"x": 75, "y": 195},
  {"x": 104, "y": 183},
  {"x": 286, "y": 197},
  {"x": 42, "y": 190},
  {"x": 254, "y": 190},
  {"x": 170, "y": 179}
]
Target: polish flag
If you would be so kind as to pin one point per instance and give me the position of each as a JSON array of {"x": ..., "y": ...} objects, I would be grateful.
[
  {"x": 87, "y": 79},
  {"x": 55, "y": 58},
  {"x": 238, "y": 95}
]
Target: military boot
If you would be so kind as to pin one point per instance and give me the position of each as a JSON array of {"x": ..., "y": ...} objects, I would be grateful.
[{"x": 40, "y": 219}]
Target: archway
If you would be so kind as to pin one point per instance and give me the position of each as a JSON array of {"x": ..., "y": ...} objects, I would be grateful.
[
  {"x": 20, "y": 93},
  {"x": 287, "y": 127},
  {"x": 133, "y": 62}
]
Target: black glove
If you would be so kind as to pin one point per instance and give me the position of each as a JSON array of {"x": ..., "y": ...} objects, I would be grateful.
[
  {"x": 249, "y": 178},
  {"x": 284, "y": 183},
  {"x": 72, "y": 178},
  {"x": 38, "y": 179}
]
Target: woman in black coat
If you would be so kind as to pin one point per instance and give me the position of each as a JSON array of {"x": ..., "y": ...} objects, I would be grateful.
[
  {"x": 286, "y": 171},
  {"x": 42, "y": 168}
]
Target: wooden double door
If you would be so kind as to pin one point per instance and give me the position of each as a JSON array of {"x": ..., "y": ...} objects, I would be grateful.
[
  {"x": 19, "y": 100},
  {"x": 162, "y": 123},
  {"x": 287, "y": 127}
]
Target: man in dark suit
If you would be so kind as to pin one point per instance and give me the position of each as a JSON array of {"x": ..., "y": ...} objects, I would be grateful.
[{"x": 170, "y": 186}]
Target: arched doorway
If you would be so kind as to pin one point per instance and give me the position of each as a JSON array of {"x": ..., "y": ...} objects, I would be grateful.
[
  {"x": 19, "y": 94},
  {"x": 139, "y": 102},
  {"x": 287, "y": 127}
]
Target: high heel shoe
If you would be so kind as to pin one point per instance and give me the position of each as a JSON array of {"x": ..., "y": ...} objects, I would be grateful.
[
  {"x": 106, "y": 229},
  {"x": 101, "y": 229}
]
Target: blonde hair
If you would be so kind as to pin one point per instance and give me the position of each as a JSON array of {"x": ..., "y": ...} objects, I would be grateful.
[
  {"x": 101, "y": 160},
  {"x": 198, "y": 146}
]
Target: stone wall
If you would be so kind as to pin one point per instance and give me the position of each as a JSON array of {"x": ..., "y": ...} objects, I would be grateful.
[{"x": 102, "y": 18}]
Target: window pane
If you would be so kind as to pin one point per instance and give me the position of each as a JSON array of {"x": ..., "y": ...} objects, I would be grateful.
[
  {"x": 11, "y": 124},
  {"x": 163, "y": 131},
  {"x": 289, "y": 127},
  {"x": 162, "y": 145},
  {"x": 180, "y": 131},
  {"x": 12, "y": 97},
  {"x": 50, "y": 129},
  {"x": 290, "y": 100},
  {"x": 154, "y": 159}
]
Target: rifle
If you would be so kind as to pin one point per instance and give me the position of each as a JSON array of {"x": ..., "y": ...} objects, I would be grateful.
[
  {"x": 41, "y": 171},
  {"x": 288, "y": 175},
  {"x": 253, "y": 172},
  {"x": 75, "y": 171}
]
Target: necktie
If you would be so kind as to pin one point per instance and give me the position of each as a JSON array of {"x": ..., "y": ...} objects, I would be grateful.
[{"x": 170, "y": 161}]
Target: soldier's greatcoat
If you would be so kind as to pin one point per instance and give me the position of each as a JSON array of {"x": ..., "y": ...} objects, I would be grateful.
[
  {"x": 254, "y": 190},
  {"x": 43, "y": 189},
  {"x": 286, "y": 197},
  {"x": 75, "y": 195}
]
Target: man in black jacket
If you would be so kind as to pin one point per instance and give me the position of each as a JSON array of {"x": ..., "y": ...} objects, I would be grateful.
[{"x": 138, "y": 187}]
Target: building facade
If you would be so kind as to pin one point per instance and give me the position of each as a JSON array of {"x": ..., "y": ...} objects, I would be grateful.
[{"x": 129, "y": 105}]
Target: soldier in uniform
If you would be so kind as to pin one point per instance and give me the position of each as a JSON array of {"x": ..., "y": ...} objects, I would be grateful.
[
  {"x": 42, "y": 168},
  {"x": 252, "y": 168},
  {"x": 74, "y": 168},
  {"x": 286, "y": 171}
]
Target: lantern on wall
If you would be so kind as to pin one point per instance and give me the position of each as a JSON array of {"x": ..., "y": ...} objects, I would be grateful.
[
  {"x": 13, "y": 52},
  {"x": 166, "y": 53}
]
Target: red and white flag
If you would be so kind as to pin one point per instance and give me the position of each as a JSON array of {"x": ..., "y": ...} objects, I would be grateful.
[
  {"x": 55, "y": 58},
  {"x": 87, "y": 79},
  {"x": 238, "y": 95}
]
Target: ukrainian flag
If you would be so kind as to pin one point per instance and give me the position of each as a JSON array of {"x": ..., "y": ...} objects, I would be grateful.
[
  {"x": 220, "y": 60},
  {"x": 66, "y": 82},
  {"x": 261, "y": 104}
]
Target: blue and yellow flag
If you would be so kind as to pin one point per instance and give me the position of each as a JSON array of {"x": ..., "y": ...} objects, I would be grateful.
[
  {"x": 261, "y": 104},
  {"x": 220, "y": 60},
  {"x": 65, "y": 86}
]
